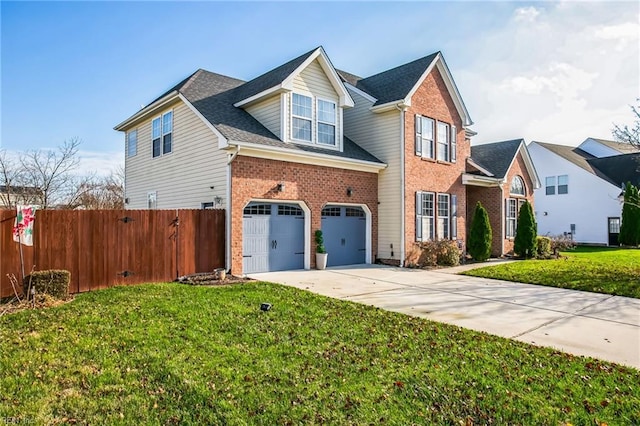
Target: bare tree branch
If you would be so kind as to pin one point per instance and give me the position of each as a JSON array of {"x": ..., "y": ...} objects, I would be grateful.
[{"x": 626, "y": 134}]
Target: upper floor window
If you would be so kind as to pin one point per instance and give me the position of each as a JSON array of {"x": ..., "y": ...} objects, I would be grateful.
[
  {"x": 326, "y": 122},
  {"x": 132, "y": 143},
  {"x": 301, "y": 117},
  {"x": 562, "y": 184},
  {"x": 443, "y": 146},
  {"x": 162, "y": 130},
  {"x": 517, "y": 186}
]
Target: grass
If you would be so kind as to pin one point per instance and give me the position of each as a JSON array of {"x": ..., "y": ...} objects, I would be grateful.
[
  {"x": 596, "y": 269},
  {"x": 176, "y": 354}
]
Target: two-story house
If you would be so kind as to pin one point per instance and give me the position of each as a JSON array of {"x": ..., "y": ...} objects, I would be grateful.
[
  {"x": 376, "y": 163},
  {"x": 581, "y": 195}
]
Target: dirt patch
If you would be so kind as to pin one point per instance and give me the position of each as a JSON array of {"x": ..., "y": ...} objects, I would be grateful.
[
  {"x": 40, "y": 301},
  {"x": 212, "y": 279}
]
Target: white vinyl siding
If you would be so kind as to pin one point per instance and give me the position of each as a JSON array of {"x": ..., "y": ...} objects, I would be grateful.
[
  {"x": 313, "y": 82},
  {"x": 380, "y": 135},
  {"x": 183, "y": 179},
  {"x": 268, "y": 114}
]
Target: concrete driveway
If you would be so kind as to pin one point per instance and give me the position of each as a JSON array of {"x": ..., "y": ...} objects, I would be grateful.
[{"x": 581, "y": 323}]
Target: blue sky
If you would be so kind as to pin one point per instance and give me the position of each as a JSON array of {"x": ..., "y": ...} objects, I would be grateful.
[{"x": 556, "y": 72}]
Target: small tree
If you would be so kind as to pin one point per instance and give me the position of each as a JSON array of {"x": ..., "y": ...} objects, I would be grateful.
[
  {"x": 526, "y": 232},
  {"x": 626, "y": 134},
  {"x": 630, "y": 226},
  {"x": 319, "y": 242},
  {"x": 480, "y": 235}
]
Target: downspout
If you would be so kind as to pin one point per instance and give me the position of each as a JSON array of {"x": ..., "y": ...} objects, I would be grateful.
[
  {"x": 227, "y": 251},
  {"x": 503, "y": 207},
  {"x": 402, "y": 189}
]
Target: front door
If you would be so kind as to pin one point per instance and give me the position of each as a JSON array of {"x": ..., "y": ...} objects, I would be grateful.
[{"x": 614, "y": 231}]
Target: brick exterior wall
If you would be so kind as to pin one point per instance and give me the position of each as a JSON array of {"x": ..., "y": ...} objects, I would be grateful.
[
  {"x": 493, "y": 200},
  {"x": 432, "y": 100},
  {"x": 256, "y": 178}
]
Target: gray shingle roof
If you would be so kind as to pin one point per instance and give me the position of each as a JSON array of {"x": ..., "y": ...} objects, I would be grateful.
[
  {"x": 619, "y": 169},
  {"x": 496, "y": 157},
  {"x": 616, "y": 169},
  {"x": 213, "y": 95},
  {"x": 394, "y": 84}
]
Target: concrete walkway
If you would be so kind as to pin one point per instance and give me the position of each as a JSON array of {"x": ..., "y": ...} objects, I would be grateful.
[{"x": 581, "y": 323}]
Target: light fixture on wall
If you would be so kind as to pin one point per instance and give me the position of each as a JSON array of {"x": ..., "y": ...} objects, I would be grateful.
[
  {"x": 217, "y": 200},
  {"x": 280, "y": 187},
  {"x": 349, "y": 192}
]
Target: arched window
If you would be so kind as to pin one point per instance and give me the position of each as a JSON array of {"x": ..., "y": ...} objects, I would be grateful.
[{"x": 517, "y": 186}]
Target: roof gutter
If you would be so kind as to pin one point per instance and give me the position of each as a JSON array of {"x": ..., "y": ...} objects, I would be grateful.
[
  {"x": 146, "y": 110},
  {"x": 402, "y": 103}
]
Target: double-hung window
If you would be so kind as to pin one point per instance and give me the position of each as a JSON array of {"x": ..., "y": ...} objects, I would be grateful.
[
  {"x": 424, "y": 137},
  {"x": 563, "y": 184},
  {"x": 162, "y": 131},
  {"x": 326, "y": 122},
  {"x": 435, "y": 139},
  {"x": 425, "y": 216},
  {"x": 443, "y": 217},
  {"x": 436, "y": 216},
  {"x": 301, "y": 117},
  {"x": 132, "y": 143},
  {"x": 443, "y": 141},
  {"x": 511, "y": 216},
  {"x": 550, "y": 185}
]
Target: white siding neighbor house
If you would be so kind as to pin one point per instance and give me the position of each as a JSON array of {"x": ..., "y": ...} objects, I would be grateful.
[{"x": 581, "y": 188}]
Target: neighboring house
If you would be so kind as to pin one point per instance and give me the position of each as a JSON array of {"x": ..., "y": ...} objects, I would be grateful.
[
  {"x": 582, "y": 186},
  {"x": 500, "y": 175},
  {"x": 377, "y": 163},
  {"x": 12, "y": 195}
]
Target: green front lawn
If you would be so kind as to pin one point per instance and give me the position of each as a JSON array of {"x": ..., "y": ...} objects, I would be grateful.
[
  {"x": 597, "y": 269},
  {"x": 175, "y": 354}
]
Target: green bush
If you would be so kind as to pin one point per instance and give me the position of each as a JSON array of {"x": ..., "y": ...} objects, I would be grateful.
[
  {"x": 479, "y": 244},
  {"x": 448, "y": 253},
  {"x": 543, "y": 247},
  {"x": 526, "y": 232},
  {"x": 630, "y": 226},
  {"x": 53, "y": 282}
]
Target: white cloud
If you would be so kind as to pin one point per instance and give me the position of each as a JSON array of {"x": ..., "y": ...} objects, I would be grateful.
[
  {"x": 526, "y": 14},
  {"x": 100, "y": 163},
  {"x": 561, "y": 80}
]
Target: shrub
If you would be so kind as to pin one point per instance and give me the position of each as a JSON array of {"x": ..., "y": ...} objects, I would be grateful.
[
  {"x": 53, "y": 282},
  {"x": 524, "y": 244},
  {"x": 543, "y": 247},
  {"x": 434, "y": 253},
  {"x": 319, "y": 242},
  {"x": 448, "y": 253},
  {"x": 562, "y": 243},
  {"x": 630, "y": 226},
  {"x": 479, "y": 244}
]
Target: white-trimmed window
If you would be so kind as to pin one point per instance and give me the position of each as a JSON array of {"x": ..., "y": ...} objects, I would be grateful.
[
  {"x": 512, "y": 217},
  {"x": 550, "y": 185},
  {"x": 454, "y": 144},
  {"x": 436, "y": 216},
  {"x": 563, "y": 184},
  {"x": 327, "y": 117},
  {"x": 517, "y": 186},
  {"x": 425, "y": 216},
  {"x": 442, "y": 226},
  {"x": 424, "y": 137},
  {"x": 152, "y": 200},
  {"x": 162, "y": 134},
  {"x": 132, "y": 143},
  {"x": 444, "y": 141},
  {"x": 301, "y": 114}
]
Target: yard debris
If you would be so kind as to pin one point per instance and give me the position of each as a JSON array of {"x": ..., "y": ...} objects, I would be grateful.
[{"x": 217, "y": 277}]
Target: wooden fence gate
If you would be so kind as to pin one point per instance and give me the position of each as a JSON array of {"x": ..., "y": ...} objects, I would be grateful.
[{"x": 103, "y": 248}]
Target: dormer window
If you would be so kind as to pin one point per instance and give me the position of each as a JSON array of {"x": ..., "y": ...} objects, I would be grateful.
[
  {"x": 302, "y": 114},
  {"x": 326, "y": 122}
]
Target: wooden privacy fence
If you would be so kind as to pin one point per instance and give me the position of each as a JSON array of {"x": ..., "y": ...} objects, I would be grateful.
[{"x": 103, "y": 248}]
